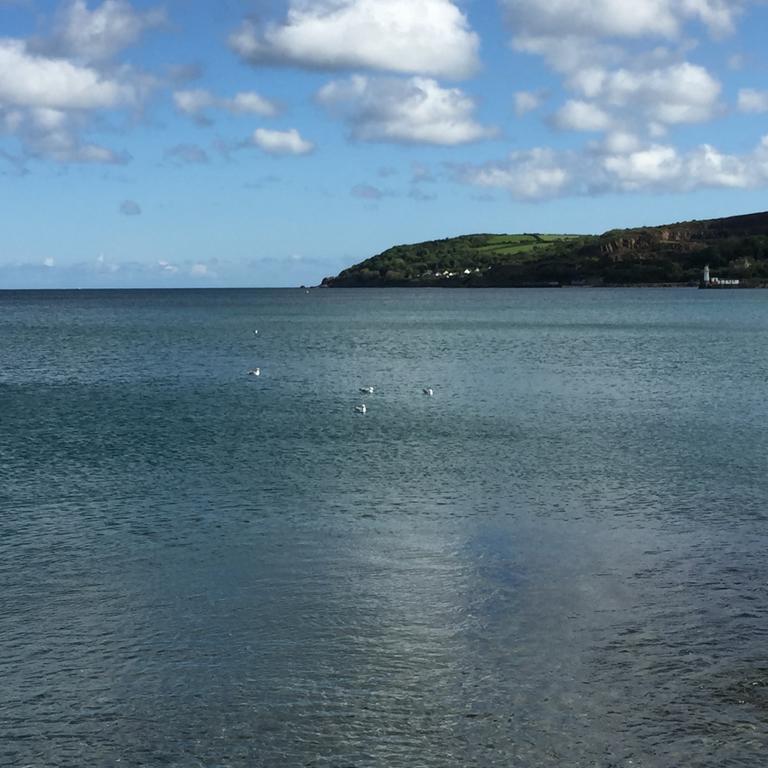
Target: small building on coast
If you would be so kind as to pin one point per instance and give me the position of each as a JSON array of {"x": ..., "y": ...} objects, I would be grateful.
[{"x": 710, "y": 281}]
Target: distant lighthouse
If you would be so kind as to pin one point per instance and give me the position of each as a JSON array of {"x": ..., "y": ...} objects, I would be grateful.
[{"x": 706, "y": 275}]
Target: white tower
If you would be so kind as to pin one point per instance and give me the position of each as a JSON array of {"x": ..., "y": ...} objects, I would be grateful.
[{"x": 706, "y": 274}]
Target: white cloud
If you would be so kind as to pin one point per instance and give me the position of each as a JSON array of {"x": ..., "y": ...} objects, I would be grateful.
[
  {"x": 530, "y": 175},
  {"x": 30, "y": 80},
  {"x": 527, "y": 101},
  {"x": 718, "y": 16},
  {"x": 55, "y": 133},
  {"x": 49, "y": 262},
  {"x": 414, "y": 110},
  {"x": 582, "y": 116},
  {"x": 752, "y": 100},
  {"x": 93, "y": 153},
  {"x": 644, "y": 168},
  {"x": 679, "y": 93},
  {"x": 430, "y": 37},
  {"x": 199, "y": 270},
  {"x": 251, "y": 103},
  {"x": 711, "y": 168},
  {"x": 48, "y": 100},
  {"x": 195, "y": 103},
  {"x": 649, "y": 100},
  {"x": 621, "y": 166},
  {"x": 620, "y": 142},
  {"x": 616, "y": 18},
  {"x": 98, "y": 34},
  {"x": 597, "y": 47},
  {"x": 282, "y": 142}
]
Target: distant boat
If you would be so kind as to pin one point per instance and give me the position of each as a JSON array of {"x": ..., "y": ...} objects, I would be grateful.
[
  {"x": 428, "y": 391},
  {"x": 366, "y": 390},
  {"x": 254, "y": 372},
  {"x": 361, "y": 409}
]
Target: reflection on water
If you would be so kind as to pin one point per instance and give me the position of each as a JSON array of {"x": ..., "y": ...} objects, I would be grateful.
[{"x": 559, "y": 559}]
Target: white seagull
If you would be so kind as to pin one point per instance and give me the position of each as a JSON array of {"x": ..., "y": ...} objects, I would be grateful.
[
  {"x": 361, "y": 409},
  {"x": 428, "y": 391},
  {"x": 254, "y": 372},
  {"x": 366, "y": 390}
]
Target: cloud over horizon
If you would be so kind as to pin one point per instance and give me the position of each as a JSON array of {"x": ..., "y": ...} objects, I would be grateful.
[{"x": 541, "y": 174}]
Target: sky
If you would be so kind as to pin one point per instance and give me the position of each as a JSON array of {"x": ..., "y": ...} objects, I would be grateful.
[{"x": 273, "y": 142}]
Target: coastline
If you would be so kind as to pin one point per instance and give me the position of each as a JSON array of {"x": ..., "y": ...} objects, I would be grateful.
[{"x": 552, "y": 286}]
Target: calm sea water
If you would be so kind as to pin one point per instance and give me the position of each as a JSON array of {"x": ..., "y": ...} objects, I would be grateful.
[{"x": 560, "y": 559}]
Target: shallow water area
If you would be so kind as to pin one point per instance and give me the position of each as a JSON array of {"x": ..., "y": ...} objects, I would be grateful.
[{"x": 558, "y": 559}]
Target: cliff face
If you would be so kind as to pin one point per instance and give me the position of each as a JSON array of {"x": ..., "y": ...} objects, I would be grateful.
[{"x": 646, "y": 243}]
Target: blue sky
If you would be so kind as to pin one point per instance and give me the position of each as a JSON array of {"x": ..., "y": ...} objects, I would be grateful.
[{"x": 274, "y": 142}]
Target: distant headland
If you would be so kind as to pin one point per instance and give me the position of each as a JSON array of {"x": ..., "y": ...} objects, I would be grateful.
[{"x": 734, "y": 249}]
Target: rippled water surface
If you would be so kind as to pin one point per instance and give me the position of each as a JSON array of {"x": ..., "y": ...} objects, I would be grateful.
[{"x": 560, "y": 559}]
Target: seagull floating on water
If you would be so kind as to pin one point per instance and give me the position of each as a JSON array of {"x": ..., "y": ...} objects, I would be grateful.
[
  {"x": 361, "y": 409},
  {"x": 366, "y": 390},
  {"x": 428, "y": 391},
  {"x": 254, "y": 372}
]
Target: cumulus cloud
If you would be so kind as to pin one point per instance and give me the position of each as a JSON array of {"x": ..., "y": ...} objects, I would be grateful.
[
  {"x": 415, "y": 110},
  {"x": 678, "y": 93},
  {"x": 196, "y": 102},
  {"x": 617, "y": 18},
  {"x": 614, "y": 83},
  {"x": 99, "y": 34},
  {"x": 624, "y": 166},
  {"x": 55, "y": 133},
  {"x": 46, "y": 102},
  {"x": 287, "y": 142},
  {"x": 530, "y": 175},
  {"x": 751, "y": 100},
  {"x": 31, "y": 80},
  {"x": 130, "y": 208},
  {"x": 527, "y": 101},
  {"x": 430, "y": 37},
  {"x": 578, "y": 115}
]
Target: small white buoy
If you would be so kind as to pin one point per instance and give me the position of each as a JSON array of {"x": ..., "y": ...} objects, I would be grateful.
[
  {"x": 428, "y": 391},
  {"x": 366, "y": 390},
  {"x": 361, "y": 409},
  {"x": 254, "y": 372},
  {"x": 255, "y": 333}
]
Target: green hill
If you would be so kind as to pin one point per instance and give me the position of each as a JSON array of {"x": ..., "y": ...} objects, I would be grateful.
[{"x": 735, "y": 247}]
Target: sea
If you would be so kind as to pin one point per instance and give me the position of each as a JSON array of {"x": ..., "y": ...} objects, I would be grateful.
[{"x": 559, "y": 559}]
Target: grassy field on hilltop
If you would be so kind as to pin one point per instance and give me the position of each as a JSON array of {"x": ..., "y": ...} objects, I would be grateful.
[{"x": 439, "y": 260}]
